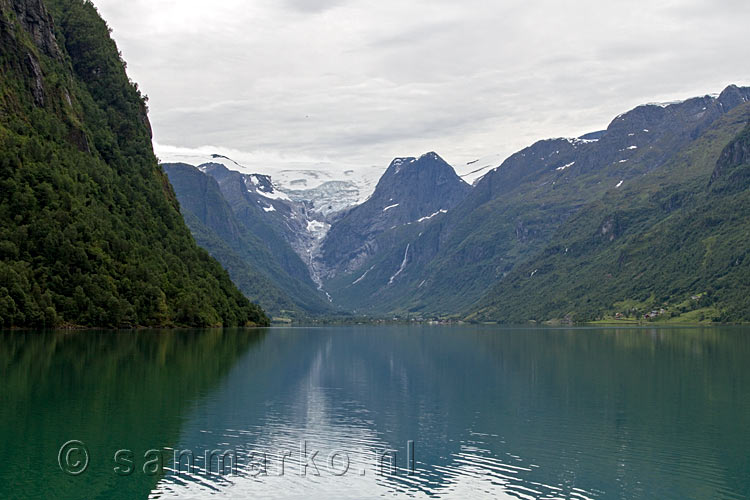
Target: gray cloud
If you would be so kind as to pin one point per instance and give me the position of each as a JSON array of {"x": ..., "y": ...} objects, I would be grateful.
[
  {"x": 360, "y": 82},
  {"x": 313, "y": 6}
]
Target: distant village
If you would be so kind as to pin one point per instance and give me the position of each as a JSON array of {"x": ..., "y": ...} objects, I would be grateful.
[{"x": 648, "y": 316}]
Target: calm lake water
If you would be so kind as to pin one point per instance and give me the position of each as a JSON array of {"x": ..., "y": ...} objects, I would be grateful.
[{"x": 373, "y": 412}]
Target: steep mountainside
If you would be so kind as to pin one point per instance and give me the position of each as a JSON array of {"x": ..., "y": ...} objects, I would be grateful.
[
  {"x": 411, "y": 189},
  {"x": 566, "y": 228},
  {"x": 90, "y": 230},
  {"x": 514, "y": 211},
  {"x": 246, "y": 237},
  {"x": 675, "y": 243},
  {"x": 216, "y": 229},
  {"x": 367, "y": 250},
  {"x": 288, "y": 227}
]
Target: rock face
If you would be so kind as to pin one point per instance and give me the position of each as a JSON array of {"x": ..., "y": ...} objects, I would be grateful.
[
  {"x": 33, "y": 17},
  {"x": 37, "y": 80},
  {"x": 379, "y": 265},
  {"x": 201, "y": 196},
  {"x": 411, "y": 189},
  {"x": 284, "y": 223},
  {"x": 660, "y": 242},
  {"x": 732, "y": 172}
]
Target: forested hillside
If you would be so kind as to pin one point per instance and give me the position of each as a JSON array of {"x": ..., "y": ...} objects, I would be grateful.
[
  {"x": 90, "y": 229},
  {"x": 674, "y": 243}
]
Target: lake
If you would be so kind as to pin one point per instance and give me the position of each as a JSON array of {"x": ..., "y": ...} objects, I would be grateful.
[{"x": 377, "y": 412}]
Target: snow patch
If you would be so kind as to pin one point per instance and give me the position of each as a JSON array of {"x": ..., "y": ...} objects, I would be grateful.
[
  {"x": 399, "y": 163},
  {"x": 665, "y": 104},
  {"x": 619, "y": 184},
  {"x": 314, "y": 226},
  {"x": 623, "y": 161},
  {"x": 565, "y": 166},
  {"x": 472, "y": 171},
  {"x": 269, "y": 209},
  {"x": 274, "y": 195},
  {"x": 632, "y": 147},
  {"x": 433, "y": 215},
  {"x": 575, "y": 141},
  {"x": 390, "y": 207}
]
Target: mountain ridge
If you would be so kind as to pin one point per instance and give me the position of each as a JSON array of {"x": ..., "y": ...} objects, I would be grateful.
[
  {"x": 426, "y": 244},
  {"x": 676, "y": 246}
]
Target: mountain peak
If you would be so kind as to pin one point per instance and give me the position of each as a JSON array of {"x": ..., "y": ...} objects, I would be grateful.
[
  {"x": 432, "y": 156},
  {"x": 426, "y": 160},
  {"x": 733, "y": 96},
  {"x": 412, "y": 191},
  {"x": 398, "y": 163}
]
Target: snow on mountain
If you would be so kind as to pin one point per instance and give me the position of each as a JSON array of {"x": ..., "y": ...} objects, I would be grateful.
[
  {"x": 326, "y": 187},
  {"x": 428, "y": 217},
  {"x": 331, "y": 196},
  {"x": 475, "y": 170}
]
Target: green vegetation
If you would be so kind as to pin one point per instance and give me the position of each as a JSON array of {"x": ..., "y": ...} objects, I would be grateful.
[
  {"x": 673, "y": 243},
  {"x": 248, "y": 279},
  {"x": 90, "y": 229},
  {"x": 254, "y": 262}
]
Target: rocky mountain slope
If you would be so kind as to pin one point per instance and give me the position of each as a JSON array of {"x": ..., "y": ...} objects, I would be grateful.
[
  {"x": 410, "y": 190},
  {"x": 324, "y": 189},
  {"x": 253, "y": 231}
]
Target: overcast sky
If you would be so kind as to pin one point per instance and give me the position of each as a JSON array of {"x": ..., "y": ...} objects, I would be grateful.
[{"x": 359, "y": 82}]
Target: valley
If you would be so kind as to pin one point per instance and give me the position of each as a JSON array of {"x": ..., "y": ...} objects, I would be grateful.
[{"x": 528, "y": 239}]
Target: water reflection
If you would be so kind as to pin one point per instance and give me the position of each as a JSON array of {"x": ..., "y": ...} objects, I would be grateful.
[
  {"x": 111, "y": 391},
  {"x": 586, "y": 413}
]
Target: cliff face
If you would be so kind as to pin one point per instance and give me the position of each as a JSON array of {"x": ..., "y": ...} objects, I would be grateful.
[
  {"x": 33, "y": 18},
  {"x": 90, "y": 229},
  {"x": 732, "y": 172}
]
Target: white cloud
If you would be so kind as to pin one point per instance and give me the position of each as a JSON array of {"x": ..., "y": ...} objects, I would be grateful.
[{"x": 360, "y": 82}]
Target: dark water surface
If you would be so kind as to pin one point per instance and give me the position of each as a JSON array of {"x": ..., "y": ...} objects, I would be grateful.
[{"x": 413, "y": 412}]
